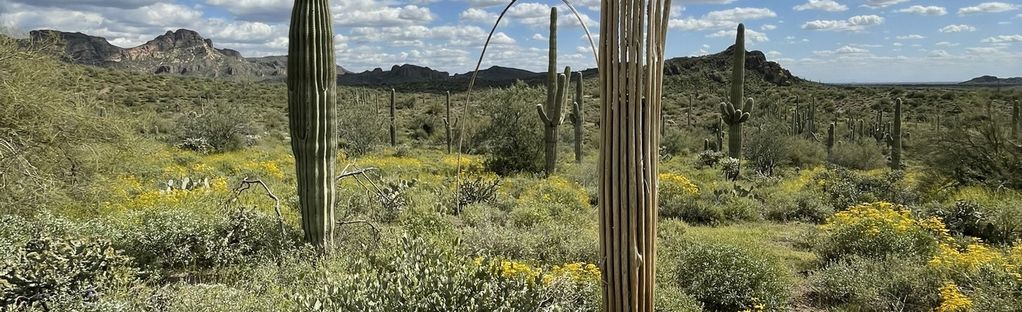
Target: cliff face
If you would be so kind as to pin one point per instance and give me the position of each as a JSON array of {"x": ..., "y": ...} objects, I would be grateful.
[
  {"x": 714, "y": 66},
  {"x": 181, "y": 52}
]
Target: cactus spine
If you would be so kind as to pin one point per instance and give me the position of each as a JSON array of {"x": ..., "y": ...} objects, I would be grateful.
[
  {"x": 631, "y": 68},
  {"x": 896, "y": 137},
  {"x": 552, "y": 113},
  {"x": 447, "y": 121},
  {"x": 312, "y": 116},
  {"x": 730, "y": 112},
  {"x": 578, "y": 117},
  {"x": 393, "y": 118}
]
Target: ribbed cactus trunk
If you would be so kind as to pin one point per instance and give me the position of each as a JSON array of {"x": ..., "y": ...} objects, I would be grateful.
[
  {"x": 578, "y": 117},
  {"x": 312, "y": 87},
  {"x": 733, "y": 113},
  {"x": 896, "y": 137},
  {"x": 632, "y": 34},
  {"x": 552, "y": 113},
  {"x": 1016, "y": 118},
  {"x": 447, "y": 121},
  {"x": 393, "y": 118}
]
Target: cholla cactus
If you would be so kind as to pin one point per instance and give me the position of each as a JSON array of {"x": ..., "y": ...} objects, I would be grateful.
[{"x": 729, "y": 112}]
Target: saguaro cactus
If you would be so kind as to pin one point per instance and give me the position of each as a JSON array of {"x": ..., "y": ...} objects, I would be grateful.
[
  {"x": 393, "y": 118},
  {"x": 557, "y": 94},
  {"x": 631, "y": 68},
  {"x": 1016, "y": 118},
  {"x": 448, "y": 121},
  {"x": 896, "y": 137},
  {"x": 830, "y": 140},
  {"x": 312, "y": 116},
  {"x": 578, "y": 117},
  {"x": 730, "y": 112}
]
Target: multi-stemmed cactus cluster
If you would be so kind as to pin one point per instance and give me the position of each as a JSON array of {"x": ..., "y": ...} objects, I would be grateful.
[
  {"x": 803, "y": 120},
  {"x": 312, "y": 116},
  {"x": 734, "y": 113},
  {"x": 552, "y": 113}
]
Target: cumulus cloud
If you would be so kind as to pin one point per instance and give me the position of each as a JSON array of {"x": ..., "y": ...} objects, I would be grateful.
[
  {"x": 845, "y": 50},
  {"x": 822, "y": 5},
  {"x": 882, "y": 3},
  {"x": 478, "y": 15},
  {"x": 854, "y": 23},
  {"x": 957, "y": 28},
  {"x": 1003, "y": 39},
  {"x": 767, "y": 27},
  {"x": 924, "y": 10},
  {"x": 988, "y": 7},
  {"x": 721, "y": 19},
  {"x": 911, "y": 37},
  {"x": 751, "y": 35}
]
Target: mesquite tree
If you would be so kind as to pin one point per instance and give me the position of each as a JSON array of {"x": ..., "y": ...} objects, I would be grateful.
[
  {"x": 631, "y": 67},
  {"x": 312, "y": 116}
]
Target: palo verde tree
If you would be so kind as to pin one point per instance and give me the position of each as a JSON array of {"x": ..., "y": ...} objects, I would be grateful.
[
  {"x": 631, "y": 61},
  {"x": 312, "y": 116}
]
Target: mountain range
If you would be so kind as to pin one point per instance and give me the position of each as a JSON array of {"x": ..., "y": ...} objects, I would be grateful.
[{"x": 186, "y": 52}]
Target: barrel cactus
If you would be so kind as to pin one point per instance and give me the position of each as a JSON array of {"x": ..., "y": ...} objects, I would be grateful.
[{"x": 312, "y": 116}]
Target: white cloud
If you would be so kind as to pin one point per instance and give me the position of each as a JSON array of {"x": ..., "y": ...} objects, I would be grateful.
[
  {"x": 845, "y": 50},
  {"x": 767, "y": 27},
  {"x": 723, "y": 19},
  {"x": 822, "y": 5},
  {"x": 924, "y": 10},
  {"x": 882, "y": 3},
  {"x": 478, "y": 15},
  {"x": 263, "y": 10},
  {"x": 939, "y": 54},
  {"x": 120, "y": 4},
  {"x": 751, "y": 35},
  {"x": 1003, "y": 39},
  {"x": 947, "y": 44},
  {"x": 988, "y": 7},
  {"x": 911, "y": 37},
  {"x": 957, "y": 28},
  {"x": 854, "y": 23}
]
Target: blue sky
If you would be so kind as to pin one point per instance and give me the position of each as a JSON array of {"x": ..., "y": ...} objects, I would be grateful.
[{"x": 824, "y": 40}]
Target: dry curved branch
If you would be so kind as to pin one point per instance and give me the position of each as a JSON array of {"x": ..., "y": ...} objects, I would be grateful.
[{"x": 246, "y": 184}]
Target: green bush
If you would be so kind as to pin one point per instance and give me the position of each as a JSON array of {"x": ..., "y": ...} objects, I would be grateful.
[
  {"x": 219, "y": 127},
  {"x": 878, "y": 230},
  {"x": 803, "y": 206},
  {"x": 994, "y": 217},
  {"x": 863, "y": 155},
  {"x": 361, "y": 128},
  {"x": 730, "y": 278},
  {"x": 887, "y": 284},
  {"x": 513, "y": 140},
  {"x": 844, "y": 188}
]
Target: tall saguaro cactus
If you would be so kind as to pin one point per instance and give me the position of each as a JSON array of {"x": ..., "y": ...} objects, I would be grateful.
[
  {"x": 1016, "y": 118},
  {"x": 312, "y": 116},
  {"x": 556, "y": 95},
  {"x": 896, "y": 137},
  {"x": 578, "y": 117},
  {"x": 733, "y": 113},
  {"x": 393, "y": 118},
  {"x": 448, "y": 121},
  {"x": 631, "y": 67}
]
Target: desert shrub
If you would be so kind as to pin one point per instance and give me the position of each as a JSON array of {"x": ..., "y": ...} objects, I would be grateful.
[
  {"x": 177, "y": 239},
  {"x": 863, "y": 155},
  {"x": 49, "y": 266},
  {"x": 844, "y": 188},
  {"x": 217, "y": 128},
  {"x": 804, "y": 153},
  {"x": 767, "y": 149},
  {"x": 676, "y": 191},
  {"x": 886, "y": 284},
  {"x": 711, "y": 209},
  {"x": 878, "y": 230},
  {"x": 979, "y": 277},
  {"x": 677, "y": 142},
  {"x": 709, "y": 158},
  {"x": 974, "y": 153},
  {"x": 994, "y": 216},
  {"x": 361, "y": 128},
  {"x": 513, "y": 139},
  {"x": 731, "y": 278},
  {"x": 416, "y": 276},
  {"x": 802, "y": 206}
]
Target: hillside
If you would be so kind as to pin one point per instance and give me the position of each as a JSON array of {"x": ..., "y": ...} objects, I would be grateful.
[
  {"x": 993, "y": 81},
  {"x": 181, "y": 52}
]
